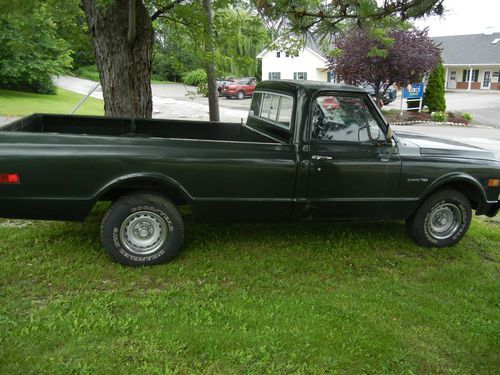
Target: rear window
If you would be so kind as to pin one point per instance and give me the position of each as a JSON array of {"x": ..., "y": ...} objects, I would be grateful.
[{"x": 273, "y": 108}]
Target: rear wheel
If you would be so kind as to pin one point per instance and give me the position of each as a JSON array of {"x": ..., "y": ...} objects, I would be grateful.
[
  {"x": 442, "y": 220},
  {"x": 142, "y": 229},
  {"x": 240, "y": 95}
]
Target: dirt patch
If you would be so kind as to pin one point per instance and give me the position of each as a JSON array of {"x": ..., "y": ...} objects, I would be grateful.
[{"x": 395, "y": 116}]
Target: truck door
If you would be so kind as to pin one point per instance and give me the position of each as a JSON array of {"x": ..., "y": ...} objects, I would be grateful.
[{"x": 354, "y": 171}]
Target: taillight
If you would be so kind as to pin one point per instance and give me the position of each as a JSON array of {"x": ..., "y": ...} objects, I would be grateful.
[{"x": 9, "y": 178}]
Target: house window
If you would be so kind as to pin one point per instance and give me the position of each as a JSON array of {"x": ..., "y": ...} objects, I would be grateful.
[
  {"x": 278, "y": 54},
  {"x": 466, "y": 74},
  {"x": 453, "y": 75},
  {"x": 274, "y": 75},
  {"x": 287, "y": 54},
  {"x": 300, "y": 75}
]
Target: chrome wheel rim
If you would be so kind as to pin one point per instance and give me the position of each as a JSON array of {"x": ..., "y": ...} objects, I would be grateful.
[
  {"x": 444, "y": 221},
  {"x": 143, "y": 232}
]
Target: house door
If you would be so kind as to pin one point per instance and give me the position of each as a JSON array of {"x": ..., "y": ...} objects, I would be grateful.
[
  {"x": 452, "y": 80},
  {"x": 486, "y": 80}
]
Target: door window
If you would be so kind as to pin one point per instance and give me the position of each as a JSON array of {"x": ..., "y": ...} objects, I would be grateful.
[
  {"x": 343, "y": 118},
  {"x": 487, "y": 79}
]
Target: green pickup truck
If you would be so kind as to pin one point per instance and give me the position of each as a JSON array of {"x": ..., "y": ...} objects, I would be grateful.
[{"x": 310, "y": 151}]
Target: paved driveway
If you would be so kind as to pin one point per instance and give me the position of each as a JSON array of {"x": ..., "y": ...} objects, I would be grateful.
[{"x": 484, "y": 105}]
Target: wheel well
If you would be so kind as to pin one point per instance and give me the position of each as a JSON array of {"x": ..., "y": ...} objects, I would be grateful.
[
  {"x": 468, "y": 189},
  {"x": 174, "y": 194}
]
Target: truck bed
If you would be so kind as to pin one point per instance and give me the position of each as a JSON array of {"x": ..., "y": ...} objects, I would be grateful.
[{"x": 126, "y": 127}]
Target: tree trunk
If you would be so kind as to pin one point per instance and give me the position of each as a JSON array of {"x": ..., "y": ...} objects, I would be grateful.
[
  {"x": 213, "y": 95},
  {"x": 124, "y": 65}
]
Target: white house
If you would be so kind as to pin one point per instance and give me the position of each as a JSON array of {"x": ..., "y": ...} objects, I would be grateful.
[{"x": 308, "y": 64}]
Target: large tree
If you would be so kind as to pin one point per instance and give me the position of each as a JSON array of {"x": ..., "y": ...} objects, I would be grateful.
[
  {"x": 397, "y": 56},
  {"x": 326, "y": 16},
  {"x": 122, "y": 39}
]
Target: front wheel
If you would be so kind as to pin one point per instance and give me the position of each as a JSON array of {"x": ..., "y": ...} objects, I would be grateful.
[
  {"x": 142, "y": 229},
  {"x": 442, "y": 220}
]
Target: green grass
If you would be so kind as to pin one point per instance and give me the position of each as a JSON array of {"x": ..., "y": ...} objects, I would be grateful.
[
  {"x": 250, "y": 299},
  {"x": 19, "y": 103}
]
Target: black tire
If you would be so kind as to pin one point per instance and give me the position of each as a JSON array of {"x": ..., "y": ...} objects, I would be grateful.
[
  {"x": 442, "y": 220},
  {"x": 240, "y": 95},
  {"x": 228, "y": 96},
  {"x": 142, "y": 228}
]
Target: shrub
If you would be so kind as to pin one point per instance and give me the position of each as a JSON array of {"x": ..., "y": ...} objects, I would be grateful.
[
  {"x": 194, "y": 77},
  {"x": 467, "y": 116},
  {"x": 439, "y": 116},
  {"x": 88, "y": 72},
  {"x": 203, "y": 89},
  {"x": 434, "y": 92}
]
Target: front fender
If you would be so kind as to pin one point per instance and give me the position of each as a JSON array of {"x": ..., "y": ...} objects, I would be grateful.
[{"x": 454, "y": 178}]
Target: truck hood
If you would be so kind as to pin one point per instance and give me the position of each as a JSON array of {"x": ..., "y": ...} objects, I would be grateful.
[{"x": 430, "y": 146}]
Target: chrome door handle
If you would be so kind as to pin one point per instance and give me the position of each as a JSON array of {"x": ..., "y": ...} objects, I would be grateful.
[{"x": 320, "y": 157}]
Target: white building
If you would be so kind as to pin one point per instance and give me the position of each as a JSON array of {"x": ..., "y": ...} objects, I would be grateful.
[
  {"x": 472, "y": 62},
  {"x": 308, "y": 64}
]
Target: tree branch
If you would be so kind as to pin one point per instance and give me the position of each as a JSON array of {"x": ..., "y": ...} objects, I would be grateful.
[{"x": 165, "y": 9}]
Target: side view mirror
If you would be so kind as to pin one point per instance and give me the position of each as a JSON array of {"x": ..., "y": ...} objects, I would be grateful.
[{"x": 389, "y": 134}]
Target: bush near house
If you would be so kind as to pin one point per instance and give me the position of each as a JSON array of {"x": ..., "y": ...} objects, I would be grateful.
[
  {"x": 434, "y": 92},
  {"x": 195, "y": 77}
]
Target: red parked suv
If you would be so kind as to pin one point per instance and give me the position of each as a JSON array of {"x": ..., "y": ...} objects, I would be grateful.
[{"x": 238, "y": 87}]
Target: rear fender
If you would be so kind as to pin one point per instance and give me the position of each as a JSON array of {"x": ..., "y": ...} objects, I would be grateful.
[{"x": 143, "y": 181}]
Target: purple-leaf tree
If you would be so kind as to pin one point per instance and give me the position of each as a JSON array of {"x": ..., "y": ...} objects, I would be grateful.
[{"x": 396, "y": 56}]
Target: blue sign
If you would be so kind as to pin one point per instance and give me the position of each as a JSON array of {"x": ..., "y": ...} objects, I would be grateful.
[{"x": 416, "y": 91}]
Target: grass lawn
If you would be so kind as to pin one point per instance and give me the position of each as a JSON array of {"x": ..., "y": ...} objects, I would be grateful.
[
  {"x": 250, "y": 299},
  {"x": 19, "y": 103}
]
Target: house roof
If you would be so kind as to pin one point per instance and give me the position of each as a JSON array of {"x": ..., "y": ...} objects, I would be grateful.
[
  {"x": 310, "y": 43},
  {"x": 474, "y": 49}
]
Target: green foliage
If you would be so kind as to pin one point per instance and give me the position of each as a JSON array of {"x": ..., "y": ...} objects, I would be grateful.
[
  {"x": 194, "y": 77},
  {"x": 31, "y": 51},
  {"x": 439, "y": 116},
  {"x": 202, "y": 89},
  {"x": 250, "y": 299},
  {"x": 88, "y": 72},
  {"x": 434, "y": 92},
  {"x": 467, "y": 116},
  {"x": 71, "y": 26},
  {"x": 239, "y": 36}
]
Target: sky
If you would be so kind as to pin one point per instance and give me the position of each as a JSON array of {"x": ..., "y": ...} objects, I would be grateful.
[{"x": 464, "y": 17}]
